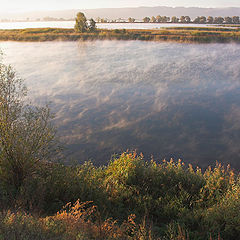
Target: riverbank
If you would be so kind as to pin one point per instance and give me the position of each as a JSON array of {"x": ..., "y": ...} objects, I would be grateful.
[
  {"x": 177, "y": 34},
  {"x": 129, "y": 199}
]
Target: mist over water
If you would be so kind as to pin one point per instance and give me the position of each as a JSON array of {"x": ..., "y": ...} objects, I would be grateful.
[{"x": 162, "y": 99}]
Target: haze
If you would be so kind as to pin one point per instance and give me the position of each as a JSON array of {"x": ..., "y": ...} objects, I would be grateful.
[
  {"x": 29, "y": 5},
  {"x": 175, "y": 100}
]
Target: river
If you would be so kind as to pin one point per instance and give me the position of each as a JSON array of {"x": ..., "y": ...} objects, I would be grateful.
[
  {"x": 168, "y": 100},
  {"x": 70, "y": 24}
]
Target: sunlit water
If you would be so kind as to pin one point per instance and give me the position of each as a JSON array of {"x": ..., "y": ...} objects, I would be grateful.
[
  {"x": 70, "y": 24},
  {"x": 162, "y": 99}
]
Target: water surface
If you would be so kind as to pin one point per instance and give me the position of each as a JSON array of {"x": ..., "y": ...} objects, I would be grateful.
[
  {"x": 70, "y": 24},
  {"x": 163, "y": 99}
]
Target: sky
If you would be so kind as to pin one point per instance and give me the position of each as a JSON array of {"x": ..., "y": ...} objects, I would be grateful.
[{"x": 31, "y": 5}]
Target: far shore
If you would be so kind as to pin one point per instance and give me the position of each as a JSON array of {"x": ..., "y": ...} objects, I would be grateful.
[{"x": 176, "y": 34}]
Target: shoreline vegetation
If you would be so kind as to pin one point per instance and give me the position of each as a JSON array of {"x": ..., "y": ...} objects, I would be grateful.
[
  {"x": 176, "y": 34},
  {"x": 129, "y": 199}
]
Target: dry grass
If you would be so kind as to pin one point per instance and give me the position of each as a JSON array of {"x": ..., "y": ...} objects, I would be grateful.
[{"x": 198, "y": 35}]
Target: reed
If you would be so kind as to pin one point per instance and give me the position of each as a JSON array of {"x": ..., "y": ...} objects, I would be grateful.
[{"x": 178, "y": 34}]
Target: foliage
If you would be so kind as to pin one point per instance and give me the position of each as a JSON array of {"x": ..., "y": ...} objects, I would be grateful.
[
  {"x": 146, "y": 19},
  {"x": 26, "y": 134},
  {"x": 197, "y": 20},
  {"x": 175, "y": 19},
  {"x": 131, "y": 20},
  {"x": 74, "y": 221},
  {"x": 169, "y": 200},
  {"x": 82, "y": 25},
  {"x": 92, "y": 25},
  {"x": 224, "y": 215}
]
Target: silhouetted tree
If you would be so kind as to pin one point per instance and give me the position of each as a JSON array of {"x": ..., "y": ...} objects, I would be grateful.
[
  {"x": 210, "y": 20},
  {"x": 187, "y": 19},
  {"x": 196, "y": 20},
  {"x": 153, "y": 19},
  {"x": 203, "y": 20},
  {"x": 159, "y": 19},
  {"x": 81, "y": 23},
  {"x": 175, "y": 19},
  {"x": 218, "y": 20},
  {"x": 146, "y": 20},
  {"x": 92, "y": 25},
  {"x": 182, "y": 19},
  {"x": 235, "y": 19},
  {"x": 131, "y": 20},
  {"x": 165, "y": 19},
  {"x": 228, "y": 20}
]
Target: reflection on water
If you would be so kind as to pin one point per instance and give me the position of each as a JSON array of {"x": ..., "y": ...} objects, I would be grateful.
[{"x": 164, "y": 99}]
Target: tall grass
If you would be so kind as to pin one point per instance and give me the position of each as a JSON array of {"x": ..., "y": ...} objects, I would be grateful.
[
  {"x": 184, "y": 34},
  {"x": 129, "y": 199}
]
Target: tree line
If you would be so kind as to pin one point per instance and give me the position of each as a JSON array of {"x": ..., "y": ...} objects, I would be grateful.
[
  {"x": 174, "y": 19},
  {"x": 187, "y": 19}
]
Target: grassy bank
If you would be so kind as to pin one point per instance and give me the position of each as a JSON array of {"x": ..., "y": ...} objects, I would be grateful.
[
  {"x": 129, "y": 199},
  {"x": 180, "y": 34}
]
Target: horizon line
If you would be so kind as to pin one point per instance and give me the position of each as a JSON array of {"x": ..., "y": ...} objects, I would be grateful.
[{"x": 70, "y": 9}]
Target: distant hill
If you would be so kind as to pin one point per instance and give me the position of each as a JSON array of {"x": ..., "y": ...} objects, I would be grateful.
[{"x": 138, "y": 13}]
